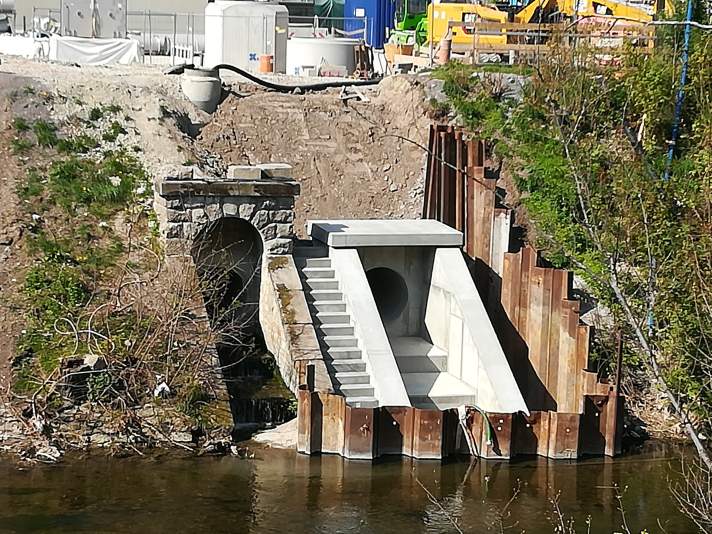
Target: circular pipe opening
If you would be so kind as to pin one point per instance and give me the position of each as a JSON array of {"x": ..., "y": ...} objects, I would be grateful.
[{"x": 389, "y": 291}]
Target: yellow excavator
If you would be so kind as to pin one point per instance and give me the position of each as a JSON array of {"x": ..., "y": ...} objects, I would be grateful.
[
  {"x": 439, "y": 12},
  {"x": 548, "y": 11}
]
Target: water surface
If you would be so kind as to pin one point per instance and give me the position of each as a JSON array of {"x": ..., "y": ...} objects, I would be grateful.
[{"x": 282, "y": 492}]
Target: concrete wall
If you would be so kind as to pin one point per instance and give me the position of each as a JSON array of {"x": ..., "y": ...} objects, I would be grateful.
[
  {"x": 457, "y": 321},
  {"x": 287, "y": 325},
  {"x": 414, "y": 265}
]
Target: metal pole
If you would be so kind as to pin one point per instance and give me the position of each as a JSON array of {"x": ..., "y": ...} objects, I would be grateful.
[
  {"x": 619, "y": 359},
  {"x": 173, "y": 44},
  {"x": 431, "y": 32},
  {"x": 681, "y": 91},
  {"x": 150, "y": 39}
]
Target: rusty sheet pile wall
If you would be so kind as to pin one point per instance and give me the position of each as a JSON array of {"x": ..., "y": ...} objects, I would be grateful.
[{"x": 530, "y": 307}]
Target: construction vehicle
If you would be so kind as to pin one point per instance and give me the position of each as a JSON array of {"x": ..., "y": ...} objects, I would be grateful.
[
  {"x": 551, "y": 11},
  {"x": 440, "y": 13},
  {"x": 411, "y": 23}
]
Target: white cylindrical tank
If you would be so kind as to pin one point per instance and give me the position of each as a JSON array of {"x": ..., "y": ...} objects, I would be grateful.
[
  {"x": 310, "y": 52},
  {"x": 238, "y": 33}
]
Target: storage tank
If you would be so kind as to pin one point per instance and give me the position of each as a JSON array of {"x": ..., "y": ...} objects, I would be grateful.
[
  {"x": 308, "y": 52},
  {"x": 238, "y": 33}
]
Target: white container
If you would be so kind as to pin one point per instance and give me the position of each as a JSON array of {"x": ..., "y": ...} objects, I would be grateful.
[
  {"x": 202, "y": 87},
  {"x": 309, "y": 52},
  {"x": 238, "y": 33}
]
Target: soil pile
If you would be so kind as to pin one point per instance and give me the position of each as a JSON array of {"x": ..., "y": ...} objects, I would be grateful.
[{"x": 353, "y": 159}]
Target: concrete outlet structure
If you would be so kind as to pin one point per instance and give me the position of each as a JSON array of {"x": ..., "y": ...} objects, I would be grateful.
[
  {"x": 378, "y": 328},
  {"x": 412, "y": 313}
]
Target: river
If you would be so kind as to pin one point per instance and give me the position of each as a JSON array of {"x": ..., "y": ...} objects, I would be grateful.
[{"x": 283, "y": 492}]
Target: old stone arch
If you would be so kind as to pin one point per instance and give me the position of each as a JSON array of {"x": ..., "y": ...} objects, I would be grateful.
[
  {"x": 227, "y": 254},
  {"x": 223, "y": 230}
]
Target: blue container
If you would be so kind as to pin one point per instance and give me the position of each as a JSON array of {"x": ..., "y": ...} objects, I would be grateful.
[{"x": 380, "y": 18}]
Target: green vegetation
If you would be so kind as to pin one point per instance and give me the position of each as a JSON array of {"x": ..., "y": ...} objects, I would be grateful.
[
  {"x": 46, "y": 133},
  {"x": 20, "y": 124},
  {"x": 72, "y": 261},
  {"x": 586, "y": 147},
  {"x": 112, "y": 134},
  {"x": 20, "y": 145}
]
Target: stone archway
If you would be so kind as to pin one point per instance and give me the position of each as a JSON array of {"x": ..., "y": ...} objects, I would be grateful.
[
  {"x": 227, "y": 255},
  {"x": 187, "y": 202},
  {"x": 223, "y": 230}
]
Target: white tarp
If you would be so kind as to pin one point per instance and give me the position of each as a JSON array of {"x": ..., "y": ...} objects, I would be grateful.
[
  {"x": 85, "y": 51},
  {"x": 17, "y": 45}
]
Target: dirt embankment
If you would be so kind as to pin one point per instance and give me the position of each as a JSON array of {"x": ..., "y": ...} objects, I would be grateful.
[
  {"x": 353, "y": 159},
  {"x": 57, "y": 93}
]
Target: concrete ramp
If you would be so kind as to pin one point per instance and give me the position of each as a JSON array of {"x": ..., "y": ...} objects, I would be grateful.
[{"x": 456, "y": 321}]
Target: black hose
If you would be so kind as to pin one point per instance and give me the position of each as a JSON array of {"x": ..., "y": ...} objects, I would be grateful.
[{"x": 180, "y": 69}]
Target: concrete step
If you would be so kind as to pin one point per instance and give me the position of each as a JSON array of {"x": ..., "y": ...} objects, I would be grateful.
[
  {"x": 326, "y": 295},
  {"x": 318, "y": 272},
  {"x": 437, "y": 390},
  {"x": 352, "y": 377},
  {"x": 348, "y": 366},
  {"x": 362, "y": 402},
  {"x": 322, "y": 283},
  {"x": 345, "y": 353},
  {"x": 329, "y": 306},
  {"x": 421, "y": 364},
  {"x": 331, "y": 330},
  {"x": 313, "y": 263},
  {"x": 302, "y": 253},
  {"x": 356, "y": 390},
  {"x": 340, "y": 341},
  {"x": 333, "y": 317},
  {"x": 416, "y": 355}
]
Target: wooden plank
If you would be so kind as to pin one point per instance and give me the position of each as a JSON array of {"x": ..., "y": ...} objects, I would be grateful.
[
  {"x": 459, "y": 183},
  {"x": 497, "y": 436},
  {"x": 444, "y": 209},
  {"x": 568, "y": 364},
  {"x": 531, "y": 433},
  {"x": 528, "y": 262},
  {"x": 582, "y": 349},
  {"x": 614, "y": 424},
  {"x": 592, "y": 438},
  {"x": 305, "y": 444},
  {"x": 511, "y": 285},
  {"x": 555, "y": 322},
  {"x": 429, "y": 171}
]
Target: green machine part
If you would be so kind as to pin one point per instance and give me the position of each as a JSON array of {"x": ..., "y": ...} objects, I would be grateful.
[{"x": 411, "y": 21}]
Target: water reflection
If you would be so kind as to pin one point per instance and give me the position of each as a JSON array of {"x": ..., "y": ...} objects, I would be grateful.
[{"x": 281, "y": 492}]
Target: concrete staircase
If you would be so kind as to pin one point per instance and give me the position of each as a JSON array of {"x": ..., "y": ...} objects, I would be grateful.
[
  {"x": 423, "y": 367},
  {"x": 335, "y": 330}
]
